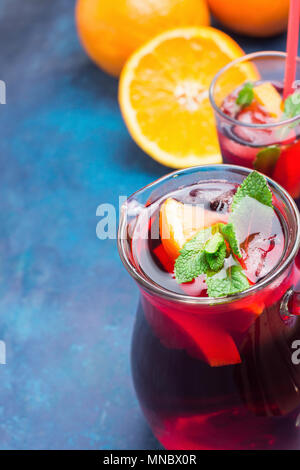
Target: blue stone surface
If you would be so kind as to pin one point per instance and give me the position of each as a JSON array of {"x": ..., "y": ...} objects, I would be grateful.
[{"x": 67, "y": 304}]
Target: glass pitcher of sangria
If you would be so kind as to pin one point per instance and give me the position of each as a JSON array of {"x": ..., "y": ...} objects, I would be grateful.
[{"x": 216, "y": 343}]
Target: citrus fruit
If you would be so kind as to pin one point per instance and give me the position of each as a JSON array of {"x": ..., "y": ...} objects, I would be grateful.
[
  {"x": 110, "y": 30},
  {"x": 163, "y": 94},
  {"x": 180, "y": 222},
  {"x": 260, "y": 18}
]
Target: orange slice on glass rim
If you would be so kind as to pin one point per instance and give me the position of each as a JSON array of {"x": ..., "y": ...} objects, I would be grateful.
[{"x": 163, "y": 94}]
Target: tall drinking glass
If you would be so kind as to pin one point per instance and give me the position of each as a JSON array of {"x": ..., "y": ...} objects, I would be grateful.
[{"x": 273, "y": 147}]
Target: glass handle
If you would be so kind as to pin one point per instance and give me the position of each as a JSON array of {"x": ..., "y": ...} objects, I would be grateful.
[{"x": 290, "y": 305}]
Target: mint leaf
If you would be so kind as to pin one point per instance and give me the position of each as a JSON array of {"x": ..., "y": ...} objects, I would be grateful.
[
  {"x": 190, "y": 265},
  {"x": 246, "y": 95},
  {"x": 228, "y": 282},
  {"x": 204, "y": 253},
  {"x": 192, "y": 260},
  {"x": 255, "y": 186},
  {"x": 214, "y": 243},
  {"x": 267, "y": 158},
  {"x": 292, "y": 108},
  {"x": 215, "y": 251},
  {"x": 229, "y": 234},
  {"x": 198, "y": 241}
]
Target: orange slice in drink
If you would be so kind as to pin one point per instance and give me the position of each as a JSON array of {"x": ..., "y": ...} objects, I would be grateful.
[
  {"x": 163, "y": 94},
  {"x": 180, "y": 222}
]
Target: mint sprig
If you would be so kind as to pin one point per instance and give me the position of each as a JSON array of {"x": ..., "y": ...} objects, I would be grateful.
[
  {"x": 292, "y": 108},
  {"x": 210, "y": 251},
  {"x": 231, "y": 282},
  {"x": 246, "y": 95},
  {"x": 192, "y": 260},
  {"x": 204, "y": 253}
]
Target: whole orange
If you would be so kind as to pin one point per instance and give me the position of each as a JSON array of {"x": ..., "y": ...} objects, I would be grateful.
[
  {"x": 252, "y": 17},
  {"x": 110, "y": 30}
]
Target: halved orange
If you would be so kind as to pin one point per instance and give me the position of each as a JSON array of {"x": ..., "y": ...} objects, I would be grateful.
[
  {"x": 180, "y": 222},
  {"x": 163, "y": 94}
]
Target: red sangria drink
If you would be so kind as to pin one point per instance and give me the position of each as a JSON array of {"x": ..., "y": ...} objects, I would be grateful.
[
  {"x": 257, "y": 126},
  {"x": 216, "y": 342}
]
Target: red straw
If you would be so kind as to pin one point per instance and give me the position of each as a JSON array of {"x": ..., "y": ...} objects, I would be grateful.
[{"x": 292, "y": 47}]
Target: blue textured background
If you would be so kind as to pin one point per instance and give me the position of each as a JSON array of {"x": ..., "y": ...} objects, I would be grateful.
[{"x": 66, "y": 303}]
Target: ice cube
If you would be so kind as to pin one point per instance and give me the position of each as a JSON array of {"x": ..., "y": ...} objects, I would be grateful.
[
  {"x": 260, "y": 237},
  {"x": 254, "y": 115},
  {"x": 222, "y": 202}
]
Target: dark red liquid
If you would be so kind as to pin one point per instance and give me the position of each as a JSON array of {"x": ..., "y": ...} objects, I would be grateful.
[
  {"x": 217, "y": 376},
  {"x": 241, "y": 145},
  {"x": 262, "y": 247},
  {"x": 191, "y": 405}
]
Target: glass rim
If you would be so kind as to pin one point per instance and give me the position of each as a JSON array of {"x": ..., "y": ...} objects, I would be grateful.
[
  {"x": 151, "y": 286},
  {"x": 244, "y": 58}
]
